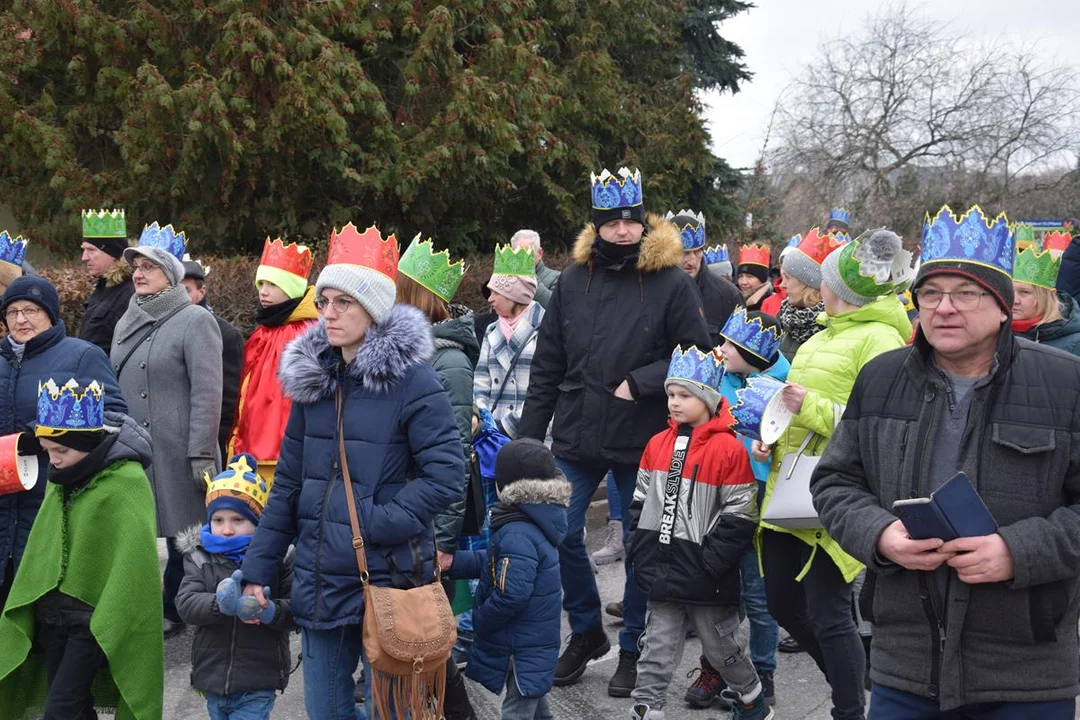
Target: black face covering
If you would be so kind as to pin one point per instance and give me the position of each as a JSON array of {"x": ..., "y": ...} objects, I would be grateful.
[
  {"x": 613, "y": 255},
  {"x": 274, "y": 315},
  {"x": 73, "y": 477}
]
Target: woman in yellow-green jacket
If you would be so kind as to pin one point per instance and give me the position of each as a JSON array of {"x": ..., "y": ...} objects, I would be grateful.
[{"x": 807, "y": 574}]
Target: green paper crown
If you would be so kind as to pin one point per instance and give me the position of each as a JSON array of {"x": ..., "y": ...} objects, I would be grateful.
[
  {"x": 432, "y": 269},
  {"x": 1036, "y": 268},
  {"x": 104, "y": 224},
  {"x": 509, "y": 261},
  {"x": 1024, "y": 234}
]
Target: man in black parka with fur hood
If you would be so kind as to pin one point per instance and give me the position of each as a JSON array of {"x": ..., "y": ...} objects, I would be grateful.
[{"x": 601, "y": 358}]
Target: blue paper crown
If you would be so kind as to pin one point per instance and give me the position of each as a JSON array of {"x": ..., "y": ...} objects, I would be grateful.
[
  {"x": 750, "y": 405},
  {"x": 794, "y": 242},
  {"x": 622, "y": 190},
  {"x": 971, "y": 238},
  {"x": 840, "y": 215},
  {"x": 701, "y": 368},
  {"x": 691, "y": 227},
  {"x": 751, "y": 335},
  {"x": 68, "y": 408},
  {"x": 716, "y": 254},
  {"x": 12, "y": 249},
  {"x": 165, "y": 238}
]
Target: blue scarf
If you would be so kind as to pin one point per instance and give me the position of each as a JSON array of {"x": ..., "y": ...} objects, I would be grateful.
[{"x": 231, "y": 547}]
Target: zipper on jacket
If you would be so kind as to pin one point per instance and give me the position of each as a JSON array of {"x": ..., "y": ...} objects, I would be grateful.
[
  {"x": 693, "y": 488},
  {"x": 232, "y": 656},
  {"x": 326, "y": 497}
]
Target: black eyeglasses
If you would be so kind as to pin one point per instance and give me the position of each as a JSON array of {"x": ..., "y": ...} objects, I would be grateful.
[
  {"x": 30, "y": 313},
  {"x": 961, "y": 300}
]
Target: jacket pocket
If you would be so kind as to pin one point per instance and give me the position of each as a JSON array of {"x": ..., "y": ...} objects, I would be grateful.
[
  {"x": 630, "y": 424},
  {"x": 568, "y": 410},
  {"x": 1025, "y": 462}
]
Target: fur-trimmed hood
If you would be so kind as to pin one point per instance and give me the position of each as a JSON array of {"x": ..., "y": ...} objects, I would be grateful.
[
  {"x": 542, "y": 501},
  {"x": 187, "y": 540},
  {"x": 661, "y": 245},
  {"x": 309, "y": 365},
  {"x": 117, "y": 274}
]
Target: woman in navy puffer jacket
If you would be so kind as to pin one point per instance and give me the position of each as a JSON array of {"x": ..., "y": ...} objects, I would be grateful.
[{"x": 404, "y": 457}]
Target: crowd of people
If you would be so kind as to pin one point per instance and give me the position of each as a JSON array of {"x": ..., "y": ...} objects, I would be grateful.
[{"x": 371, "y": 434}]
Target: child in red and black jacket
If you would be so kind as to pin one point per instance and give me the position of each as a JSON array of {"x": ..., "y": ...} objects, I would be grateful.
[{"x": 693, "y": 516}]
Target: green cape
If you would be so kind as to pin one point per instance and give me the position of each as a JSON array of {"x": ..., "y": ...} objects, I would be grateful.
[{"x": 101, "y": 549}]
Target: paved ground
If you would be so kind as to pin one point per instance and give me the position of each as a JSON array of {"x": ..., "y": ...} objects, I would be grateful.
[{"x": 800, "y": 689}]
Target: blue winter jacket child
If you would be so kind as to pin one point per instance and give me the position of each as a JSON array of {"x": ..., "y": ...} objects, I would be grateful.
[
  {"x": 518, "y": 602},
  {"x": 729, "y": 386}
]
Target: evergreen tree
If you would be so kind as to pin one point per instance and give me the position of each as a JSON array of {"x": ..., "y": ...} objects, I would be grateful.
[{"x": 462, "y": 119}]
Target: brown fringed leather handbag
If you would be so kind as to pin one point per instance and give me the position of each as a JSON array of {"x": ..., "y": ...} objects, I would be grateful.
[{"x": 408, "y": 634}]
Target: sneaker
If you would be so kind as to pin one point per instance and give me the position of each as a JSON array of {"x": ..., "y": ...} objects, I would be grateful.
[
  {"x": 612, "y": 551},
  {"x": 756, "y": 710},
  {"x": 625, "y": 678},
  {"x": 581, "y": 648},
  {"x": 614, "y": 609},
  {"x": 641, "y": 711},
  {"x": 768, "y": 687},
  {"x": 706, "y": 689}
]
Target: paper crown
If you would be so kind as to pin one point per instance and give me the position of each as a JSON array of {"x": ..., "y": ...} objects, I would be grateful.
[
  {"x": 12, "y": 249},
  {"x": 971, "y": 238},
  {"x": 292, "y": 258},
  {"x": 817, "y": 246},
  {"x": 875, "y": 263},
  {"x": 716, "y": 254},
  {"x": 701, "y": 368},
  {"x": 691, "y": 226},
  {"x": 69, "y": 408},
  {"x": 188, "y": 260},
  {"x": 164, "y": 238},
  {"x": 754, "y": 254},
  {"x": 1024, "y": 235},
  {"x": 432, "y": 269},
  {"x": 794, "y": 242},
  {"x": 1037, "y": 267},
  {"x": 759, "y": 410},
  {"x": 1056, "y": 241},
  {"x": 751, "y": 335},
  {"x": 616, "y": 191},
  {"x": 370, "y": 250},
  {"x": 240, "y": 480},
  {"x": 104, "y": 224},
  {"x": 509, "y": 261},
  {"x": 840, "y": 215}
]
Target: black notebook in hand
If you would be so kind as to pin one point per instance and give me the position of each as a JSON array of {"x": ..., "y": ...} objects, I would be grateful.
[{"x": 952, "y": 511}]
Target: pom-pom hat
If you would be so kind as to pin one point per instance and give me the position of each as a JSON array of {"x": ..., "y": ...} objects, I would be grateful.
[{"x": 872, "y": 265}]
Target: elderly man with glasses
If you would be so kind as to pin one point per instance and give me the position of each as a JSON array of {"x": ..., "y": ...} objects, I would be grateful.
[{"x": 977, "y": 626}]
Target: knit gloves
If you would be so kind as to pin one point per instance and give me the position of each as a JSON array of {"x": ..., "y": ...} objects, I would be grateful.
[{"x": 231, "y": 602}]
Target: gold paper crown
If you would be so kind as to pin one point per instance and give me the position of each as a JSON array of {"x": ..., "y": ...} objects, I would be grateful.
[{"x": 233, "y": 482}]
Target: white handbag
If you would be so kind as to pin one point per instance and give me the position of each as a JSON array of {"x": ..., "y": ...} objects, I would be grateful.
[{"x": 791, "y": 506}]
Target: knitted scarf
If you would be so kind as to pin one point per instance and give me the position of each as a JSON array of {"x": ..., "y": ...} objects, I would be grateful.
[
  {"x": 108, "y": 530},
  {"x": 799, "y": 324}
]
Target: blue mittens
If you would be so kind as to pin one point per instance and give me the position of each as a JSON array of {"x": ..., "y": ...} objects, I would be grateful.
[{"x": 228, "y": 593}]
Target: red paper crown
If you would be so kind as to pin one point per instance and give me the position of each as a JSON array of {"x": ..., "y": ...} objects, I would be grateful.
[
  {"x": 369, "y": 250},
  {"x": 754, "y": 254},
  {"x": 817, "y": 246},
  {"x": 291, "y": 258},
  {"x": 1057, "y": 241}
]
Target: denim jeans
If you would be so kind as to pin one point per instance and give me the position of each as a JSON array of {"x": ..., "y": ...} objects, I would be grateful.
[
  {"x": 330, "y": 659},
  {"x": 764, "y": 632},
  {"x": 518, "y": 707},
  {"x": 581, "y": 599},
  {"x": 614, "y": 505},
  {"x": 253, "y": 705},
  {"x": 889, "y": 704}
]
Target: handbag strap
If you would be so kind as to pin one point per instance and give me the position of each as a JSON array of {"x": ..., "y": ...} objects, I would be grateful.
[
  {"x": 802, "y": 448},
  {"x": 513, "y": 364},
  {"x": 354, "y": 518},
  {"x": 154, "y": 325}
]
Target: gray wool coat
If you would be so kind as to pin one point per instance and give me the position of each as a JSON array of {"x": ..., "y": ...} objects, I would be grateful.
[{"x": 172, "y": 383}]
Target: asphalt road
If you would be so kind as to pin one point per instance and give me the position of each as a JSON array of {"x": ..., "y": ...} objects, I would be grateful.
[{"x": 800, "y": 689}]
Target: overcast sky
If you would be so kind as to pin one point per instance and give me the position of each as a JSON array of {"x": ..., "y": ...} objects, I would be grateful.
[{"x": 780, "y": 37}]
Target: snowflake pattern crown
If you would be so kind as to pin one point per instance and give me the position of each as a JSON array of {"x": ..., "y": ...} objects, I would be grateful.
[
  {"x": 973, "y": 238},
  {"x": 751, "y": 402},
  {"x": 104, "y": 224},
  {"x": 840, "y": 215},
  {"x": 1037, "y": 267},
  {"x": 701, "y": 368},
  {"x": 751, "y": 335},
  {"x": 621, "y": 190},
  {"x": 509, "y": 261},
  {"x": 69, "y": 408},
  {"x": 165, "y": 238},
  {"x": 433, "y": 270},
  {"x": 691, "y": 227},
  {"x": 12, "y": 249},
  {"x": 716, "y": 254}
]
